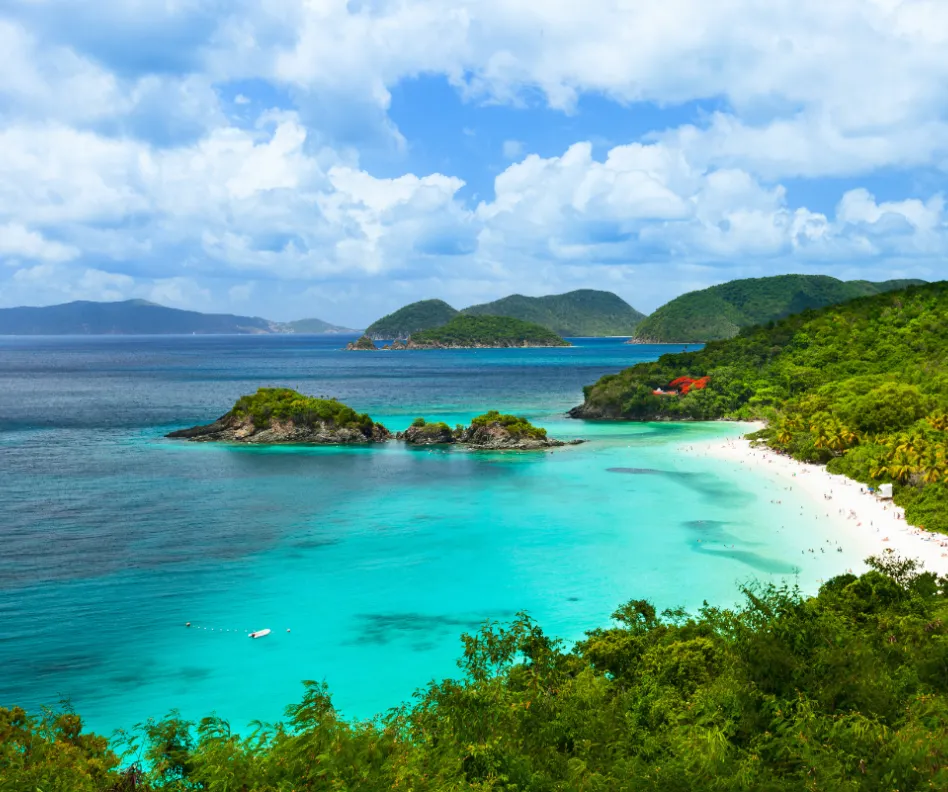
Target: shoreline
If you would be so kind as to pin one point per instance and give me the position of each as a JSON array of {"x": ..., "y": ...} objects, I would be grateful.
[{"x": 874, "y": 525}]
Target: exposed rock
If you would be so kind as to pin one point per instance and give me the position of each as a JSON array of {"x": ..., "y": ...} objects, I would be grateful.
[
  {"x": 363, "y": 344},
  {"x": 230, "y": 429},
  {"x": 497, "y": 436},
  {"x": 427, "y": 434},
  {"x": 592, "y": 412}
]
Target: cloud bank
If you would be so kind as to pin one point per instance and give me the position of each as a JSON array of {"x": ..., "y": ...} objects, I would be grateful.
[{"x": 211, "y": 155}]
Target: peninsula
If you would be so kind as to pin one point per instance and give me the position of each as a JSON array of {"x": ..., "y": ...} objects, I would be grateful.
[
  {"x": 861, "y": 387},
  {"x": 281, "y": 415}
]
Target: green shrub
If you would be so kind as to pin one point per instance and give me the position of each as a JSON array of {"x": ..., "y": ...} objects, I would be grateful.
[
  {"x": 516, "y": 425},
  {"x": 842, "y": 692},
  {"x": 285, "y": 404}
]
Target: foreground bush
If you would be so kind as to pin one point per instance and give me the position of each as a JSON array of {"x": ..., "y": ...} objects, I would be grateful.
[{"x": 844, "y": 691}]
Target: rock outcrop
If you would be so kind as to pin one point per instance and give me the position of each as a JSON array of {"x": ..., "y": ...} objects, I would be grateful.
[
  {"x": 362, "y": 344},
  {"x": 281, "y": 415},
  {"x": 230, "y": 429},
  {"x": 427, "y": 434},
  {"x": 496, "y": 436},
  {"x": 491, "y": 431}
]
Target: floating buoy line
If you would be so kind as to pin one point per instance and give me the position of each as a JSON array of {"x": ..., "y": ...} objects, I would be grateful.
[{"x": 251, "y": 633}]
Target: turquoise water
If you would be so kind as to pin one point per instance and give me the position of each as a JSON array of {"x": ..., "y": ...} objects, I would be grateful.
[{"x": 366, "y": 563}]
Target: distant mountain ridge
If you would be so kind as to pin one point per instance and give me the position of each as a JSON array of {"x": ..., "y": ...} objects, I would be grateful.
[
  {"x": 720, "y": 312},
  {"x": 140, "y": 317},
  {"x": 584, "y": 312}
]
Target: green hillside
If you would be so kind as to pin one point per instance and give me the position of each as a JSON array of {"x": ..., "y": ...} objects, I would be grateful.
[
  {"x": 421, "y": 315},
  {"x": 585, "y": 312},
  {"x": 721, "y": 311},
  {"x": 862, "y": 386},
  {"x": 485, "y": 331}
]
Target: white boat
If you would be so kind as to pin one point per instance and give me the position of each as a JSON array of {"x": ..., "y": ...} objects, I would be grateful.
[{"x": 259, "y": 633}]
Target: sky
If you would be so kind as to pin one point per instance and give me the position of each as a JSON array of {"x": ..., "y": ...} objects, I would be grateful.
[{"x": 340, "y": 158}]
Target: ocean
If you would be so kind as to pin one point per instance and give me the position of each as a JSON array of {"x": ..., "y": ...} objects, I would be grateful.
[{"x": 367, "y": 564}]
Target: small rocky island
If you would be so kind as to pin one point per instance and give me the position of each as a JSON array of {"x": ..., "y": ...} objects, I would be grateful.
[
  {"x": 274, "y": 416},
  {"x": 492, "y": 431},
  {"x": 472, "y": 332},
  {"x": 362, "y": 344},
  {"x": 282, "y": 415}
]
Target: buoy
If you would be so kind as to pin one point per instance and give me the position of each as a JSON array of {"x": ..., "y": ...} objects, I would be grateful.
[
  {"x": 187, "y": 624},
  {"x": 287, "y": 629}
]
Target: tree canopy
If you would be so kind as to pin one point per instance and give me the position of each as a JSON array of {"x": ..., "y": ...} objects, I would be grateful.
[
  {"x": 285, "y": 404},
  {"x": 497, "y": 331},
  {"x": 720, "y": 312},
  {"x": 584, "y": 312}
]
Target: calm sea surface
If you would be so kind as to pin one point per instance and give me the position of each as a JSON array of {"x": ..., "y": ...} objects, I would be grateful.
[{"x": 366, "y": 563}]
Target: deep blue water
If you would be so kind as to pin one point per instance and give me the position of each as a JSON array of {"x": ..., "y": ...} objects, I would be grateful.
[{"x": 375, "y": 559}]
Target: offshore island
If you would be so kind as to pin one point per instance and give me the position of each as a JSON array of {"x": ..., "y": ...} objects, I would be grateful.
[
  {"x": 471, "y": 332},
  {"x": 282, "y": 416}
]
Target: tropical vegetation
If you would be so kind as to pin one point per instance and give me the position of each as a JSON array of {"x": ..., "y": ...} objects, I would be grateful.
[
  {"x": 485, "y": 331},
  {"x": 846, "y": 691},
  {"x": 584, "y": 312},
  {"x": 862, "y": 386},
  {"x": 285, "y": 404},
  {"x": 721, "y": 311},
  {"x": 516, "y": 425}
]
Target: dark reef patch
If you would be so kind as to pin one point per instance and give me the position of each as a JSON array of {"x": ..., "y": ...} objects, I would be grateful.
[
  {"x": 421, "y": 631},
  {"x": 772, "y": 566}
]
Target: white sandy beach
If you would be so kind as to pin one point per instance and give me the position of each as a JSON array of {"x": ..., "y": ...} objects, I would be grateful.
[{"x": 874, "y": 525}]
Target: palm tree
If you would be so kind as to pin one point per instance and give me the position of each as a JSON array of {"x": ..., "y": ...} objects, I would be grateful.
[
  {"x": 934, "y": 464},
  {"x": 848, "y": 436},
  {"x": 784, "y": 432},
  {"x": 938, "y": 421},
  {"x": 901, "y": 466},
  {"x": 821, "y": 431},
  {"x": 879, "y": 466},
  {"x": 904, "y": 443}
]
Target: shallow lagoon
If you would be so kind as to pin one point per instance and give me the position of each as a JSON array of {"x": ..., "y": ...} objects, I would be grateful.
[{"x": 375, "y": 559}]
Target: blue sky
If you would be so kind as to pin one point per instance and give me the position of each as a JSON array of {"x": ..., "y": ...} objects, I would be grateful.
[{"x": 339, "y": 159}]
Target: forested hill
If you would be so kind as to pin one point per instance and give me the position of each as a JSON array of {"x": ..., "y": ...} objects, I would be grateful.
[
  {"x": 862, "y": 386},
  {"x": 421, "y": 315},
  {"x": 139, "y": 317},
  {"x": 721, "y": 311},
  {"x": 584, "y": 312},
  {"x": 464, "y": 332}
]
